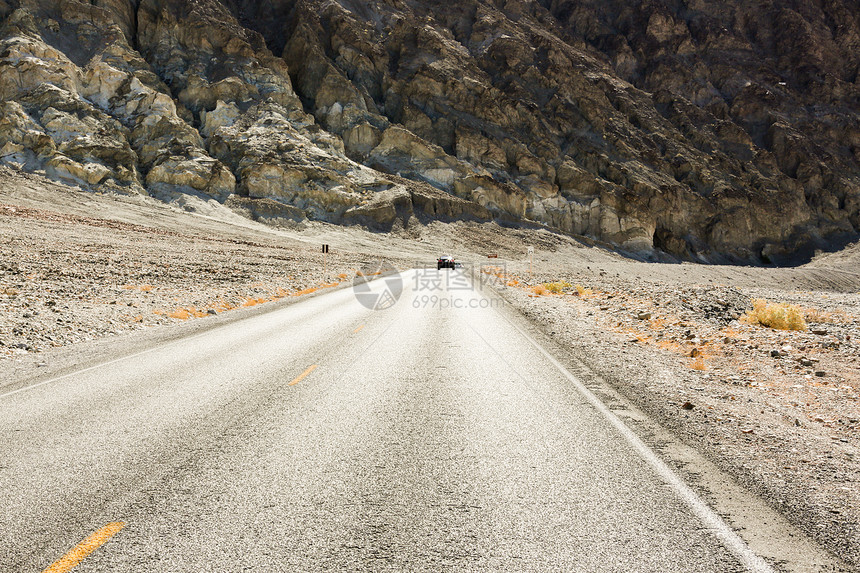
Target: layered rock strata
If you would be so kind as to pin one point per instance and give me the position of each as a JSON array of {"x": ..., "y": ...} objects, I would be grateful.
[{"x": 706, "y": 130}]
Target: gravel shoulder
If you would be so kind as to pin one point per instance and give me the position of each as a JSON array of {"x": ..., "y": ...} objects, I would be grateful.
[{"x": 778, "y": 410}]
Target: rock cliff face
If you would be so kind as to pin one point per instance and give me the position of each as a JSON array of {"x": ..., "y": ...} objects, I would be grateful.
[{"x": 701, "y": 128}]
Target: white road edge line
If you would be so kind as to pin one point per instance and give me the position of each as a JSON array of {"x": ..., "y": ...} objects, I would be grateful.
[{"x": 709, "y": 517}]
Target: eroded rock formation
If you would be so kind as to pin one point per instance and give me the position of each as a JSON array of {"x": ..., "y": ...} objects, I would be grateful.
[{"x": 701, "y": 129}]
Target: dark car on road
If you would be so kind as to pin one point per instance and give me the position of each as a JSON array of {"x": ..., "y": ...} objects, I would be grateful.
[{"x": 445, "y": 262}]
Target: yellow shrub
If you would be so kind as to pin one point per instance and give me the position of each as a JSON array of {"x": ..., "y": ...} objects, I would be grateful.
[
  {"x": 582, "y": 291},
  {"x": 180, "y": 313},
  {"x": 539, "y": 289},
  {"x": 186, "y": 313},
  {"x": 556, "y": 287},
  {"x": 780, "y": 316}
]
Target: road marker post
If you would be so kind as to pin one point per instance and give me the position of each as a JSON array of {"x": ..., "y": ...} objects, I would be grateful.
[{"x": 325, "y": 260}]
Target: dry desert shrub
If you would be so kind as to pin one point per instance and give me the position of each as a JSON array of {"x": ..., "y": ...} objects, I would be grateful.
[
  {"x": 779, "y": 316},
  {"x": 539, "y": 289},
  {"x": 495, "y": 271},
  {"x": 180, "y": 313},
  {"x": 556, "y": 287},
  {"x": 186, "y": 313},
  {"x": 582, "y": 291}
]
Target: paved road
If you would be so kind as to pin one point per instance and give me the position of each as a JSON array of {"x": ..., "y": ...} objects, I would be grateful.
[{"x": 324, "y": 435}]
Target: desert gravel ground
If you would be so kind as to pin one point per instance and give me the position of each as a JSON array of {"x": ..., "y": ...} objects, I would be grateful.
[{"x": 779, "y": 410}]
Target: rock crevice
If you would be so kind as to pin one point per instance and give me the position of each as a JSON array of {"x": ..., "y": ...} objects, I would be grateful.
[{"x": 708, "y": 131}]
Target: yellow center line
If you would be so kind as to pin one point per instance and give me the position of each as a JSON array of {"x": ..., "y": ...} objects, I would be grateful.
[
  {"x": 357, "y": 329},
  {"x": 68, "y": 561},
  {"x": 303, "y": 374}
]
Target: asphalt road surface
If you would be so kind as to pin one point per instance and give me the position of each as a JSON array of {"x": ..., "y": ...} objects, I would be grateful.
[{"x": 431, "y": 435}]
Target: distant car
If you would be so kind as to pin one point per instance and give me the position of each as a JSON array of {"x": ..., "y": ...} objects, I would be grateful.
[{"x": 445, "y": 262}]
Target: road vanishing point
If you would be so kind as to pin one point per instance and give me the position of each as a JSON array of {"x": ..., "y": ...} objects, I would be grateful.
[{"x": 437, "y": 434}]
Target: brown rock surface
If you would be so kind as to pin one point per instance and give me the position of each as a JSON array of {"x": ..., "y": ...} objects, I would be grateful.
[{"x": 707, "y": 130}]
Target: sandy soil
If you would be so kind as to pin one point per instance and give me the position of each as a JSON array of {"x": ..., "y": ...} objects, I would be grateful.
[{"x": 779, "y": 410}]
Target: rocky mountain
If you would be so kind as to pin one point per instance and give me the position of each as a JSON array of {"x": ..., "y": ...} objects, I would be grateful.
[{"x": 706, "y": 129}]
